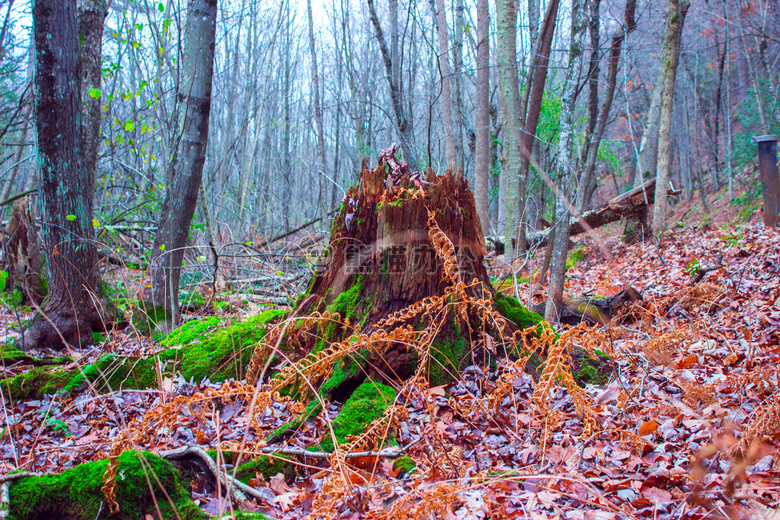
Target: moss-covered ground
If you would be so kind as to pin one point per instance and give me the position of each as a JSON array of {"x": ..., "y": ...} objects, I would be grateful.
[
  {"x": 404, "y": 465},
  {"x": 448, "y": 353},
  {"x": 592, "y": 371},
  {"x": 206, "y": 348},
  {"x": 146, "y": 485}
]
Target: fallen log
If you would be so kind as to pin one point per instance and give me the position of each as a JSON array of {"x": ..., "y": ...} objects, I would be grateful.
[{"x": 625, "y": 205}]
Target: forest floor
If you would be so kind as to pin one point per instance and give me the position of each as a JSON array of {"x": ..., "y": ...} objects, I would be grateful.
[{"x": 687, "y": 425}]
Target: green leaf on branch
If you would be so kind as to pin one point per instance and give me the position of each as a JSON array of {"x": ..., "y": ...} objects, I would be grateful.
[{"x": 71, "y": 218}]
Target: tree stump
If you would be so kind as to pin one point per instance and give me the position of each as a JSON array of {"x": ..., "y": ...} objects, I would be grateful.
[
  {"x": 22, "y": 259},
  {"x": 405, "y": 254}
]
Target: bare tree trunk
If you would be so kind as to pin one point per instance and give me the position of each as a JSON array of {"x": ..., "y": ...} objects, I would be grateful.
[
  {"x": 565, "y": 171},
  {"x": 594, "y": 30},
  {"x": 535, "y": 96},
  {"x": 675, "y": 22},
  {"x": 69, "y": 314},
  {"x": 648, "y": 145},
  {"x": 186, "y": 168},
  {"x": 482, "y": 159},
  {"x": 506, "y": 21},
  {"x": 457, "y": 60},
  {"x": 445, "y": 99},
  {"x": 392, "y": 69},
  {"x": 323, "y": 194},
  {"x": 594, "y": 141},
  {"x": 286, "y": 167},
  {"x": 533, "y": 21},
  {"x": 92, "y": 15}
]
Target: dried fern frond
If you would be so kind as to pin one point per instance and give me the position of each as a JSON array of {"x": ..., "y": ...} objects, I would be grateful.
[
  {"x": 764, "y": 422},
  {"x": 557, "y": 372}
]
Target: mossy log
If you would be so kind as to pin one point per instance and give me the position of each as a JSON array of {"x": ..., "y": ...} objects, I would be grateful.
[
  {"x": 598, "y": 310},
  {"x": 148, "y": 485}
]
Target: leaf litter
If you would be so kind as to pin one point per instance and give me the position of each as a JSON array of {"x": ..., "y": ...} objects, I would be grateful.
[{"x": 687, "y": 427}]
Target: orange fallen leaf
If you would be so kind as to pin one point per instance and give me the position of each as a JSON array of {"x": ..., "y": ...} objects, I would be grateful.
[{"x": 648, "y": 428}]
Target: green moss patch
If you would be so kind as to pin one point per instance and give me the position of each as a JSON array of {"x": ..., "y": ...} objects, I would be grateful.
[
  {"x": 142, "y": 480},
  {"x": 575, "y": 257},
  {"x": 404, "y": 465},
  {"x": 367, "y": 402},
  {"x": 90, "y": 373},
  {"x": 37, "y": 382},
  {"x": 346, "y": 303},
  {"x": 267, "y": 467},
  {"x": 514, "y": 311},
  {"x": 10, "y": 354},
  {"x": 587, "y": 370},
  {"x": 199, "y": 348},
  {"x": 447, "y": 355},
  {"x": 146, "y": 317}
]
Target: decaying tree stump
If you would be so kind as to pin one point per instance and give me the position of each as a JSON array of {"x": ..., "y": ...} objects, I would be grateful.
[
  {"x": 380, "y": 248},
  {"x": 22, "y": 258},
  {"x": 386, "y": 257}
]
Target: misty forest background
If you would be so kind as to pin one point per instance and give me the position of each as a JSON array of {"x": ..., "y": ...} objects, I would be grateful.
[{"x": 302, "y": 93}]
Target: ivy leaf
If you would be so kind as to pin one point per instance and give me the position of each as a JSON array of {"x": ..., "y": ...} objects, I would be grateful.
[
  {"x": 70, "y": 217},
  {"x": 162, "y": 247},
  {"x": 95, "y": 222},
  {"x": 94, "y": 93}
]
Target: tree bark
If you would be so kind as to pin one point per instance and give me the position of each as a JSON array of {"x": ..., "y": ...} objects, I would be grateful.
[
  {"x": 92, "y": 16},
  {"x": 457, "y": 60},
  {"x": 675, "y": 20},
  {"x": 539, "y": 67},
  {"x": 594, "y": 141},
  {"x": 565, "y": 171},
  {"x": 506, "y": 47},
  {"x": 186, "y": 168},
  {"x": 482, "y": 159},
  {"x": 69, "y": 314}
]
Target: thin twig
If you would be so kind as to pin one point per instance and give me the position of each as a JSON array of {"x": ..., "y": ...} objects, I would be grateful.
[
  {"x": 16, "y": 476},
  {"x": 235, "y": 488}
]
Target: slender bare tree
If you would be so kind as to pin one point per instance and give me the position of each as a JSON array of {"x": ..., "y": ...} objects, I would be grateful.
[
  {"x": 566, "y": 173},
  {"x": 482, "y": 159},
  {"x": 675, "y": 17},
  {"x": 186, "y": 168}
]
